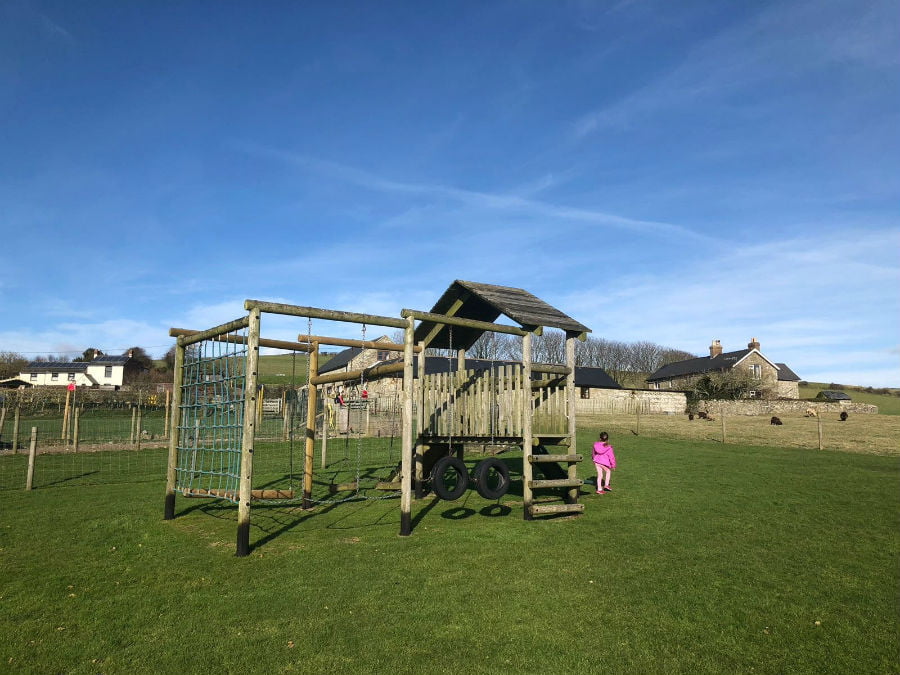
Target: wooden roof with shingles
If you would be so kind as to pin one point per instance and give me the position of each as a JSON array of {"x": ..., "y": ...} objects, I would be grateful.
[{"x": 486, "y": 302}]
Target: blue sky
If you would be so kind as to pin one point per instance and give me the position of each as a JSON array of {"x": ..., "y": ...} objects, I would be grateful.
[{"x": 665, "y": 171}]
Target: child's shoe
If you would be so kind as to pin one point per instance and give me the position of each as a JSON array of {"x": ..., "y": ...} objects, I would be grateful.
[{"x": 606, "y": 488}]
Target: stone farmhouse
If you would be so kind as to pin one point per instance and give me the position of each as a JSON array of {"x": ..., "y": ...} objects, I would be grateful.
[
  {"x": 773, "y": 377},
  {"x": 104, "y": 372}
]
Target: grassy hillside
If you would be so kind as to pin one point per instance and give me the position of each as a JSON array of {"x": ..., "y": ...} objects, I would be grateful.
[{"x": 888, "y": 404}]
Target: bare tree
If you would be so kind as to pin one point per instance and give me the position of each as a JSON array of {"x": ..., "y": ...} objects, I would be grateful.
[{"x": 11, "y": 364}]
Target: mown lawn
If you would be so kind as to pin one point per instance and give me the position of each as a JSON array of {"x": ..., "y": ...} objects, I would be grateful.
[{"x": 705, "y": 559}]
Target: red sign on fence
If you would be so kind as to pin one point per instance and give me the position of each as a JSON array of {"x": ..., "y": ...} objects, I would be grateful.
[{"x": 71, "y": 386}]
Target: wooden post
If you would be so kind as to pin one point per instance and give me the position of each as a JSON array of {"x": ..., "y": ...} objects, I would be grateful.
[
  {"x": 2, "y": 420},
  {"x": 75, "y": 430},
  {"x": 166, "y": 423},
  {"x": 527, "y": 472},
  {"x": 819, "y": 425},
  {"x": 133, "y": 423},
  {"x": 311, "y": 400},
  {"x": 637, "y": 414},
  {"x": 570, "y": 408},
  {"x": 139, "y": 418},
  {"x": 32, "y": 452},
  {"x": 65, "y": 425},
  {"x": 722, "y": 415},
  {"x": 406, "y": 460},
  {"x": 172, "y": 426},
  {"x": 249, "y": 435},
  {"x": 15, "y": 438}
]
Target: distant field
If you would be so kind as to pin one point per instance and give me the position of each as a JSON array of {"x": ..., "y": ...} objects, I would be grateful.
[
  {"x": 888, "y": 404},
  {"x": 865, "y": 434},
  {"x": 285, "y": 369}
]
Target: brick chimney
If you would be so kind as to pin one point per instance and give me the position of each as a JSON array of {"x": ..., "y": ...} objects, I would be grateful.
[
  {"x": 753, "y": 344},
  {"x": 715, "y": 349}
]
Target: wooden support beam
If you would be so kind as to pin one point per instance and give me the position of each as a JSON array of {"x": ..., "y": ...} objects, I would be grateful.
[
  {"x": 550, "y": 369},
  {"x": 467, "y": 323},
  {"x": 347, "y": 342},
  {"x": 369, "y": 373},
  {"x": 215, "y": 331},
  {"x": 241, "y": 340},
  {"x": 327, "y": 314}
]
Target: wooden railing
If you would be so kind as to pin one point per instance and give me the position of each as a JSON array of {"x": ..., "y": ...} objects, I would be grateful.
[{"x": 491, "y": 404}]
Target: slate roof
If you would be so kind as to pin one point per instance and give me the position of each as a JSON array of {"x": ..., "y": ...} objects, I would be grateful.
[
  {"x": 697, "y": 366},
  {"x": 74, "y": 366},
  {"x": 58, "y": 366},
  {"x": 706, "y": 364},
  {"x": 486, "y": 302},
  {"x": 831, "y": 395},
  {"x": 785, "y": 374}
]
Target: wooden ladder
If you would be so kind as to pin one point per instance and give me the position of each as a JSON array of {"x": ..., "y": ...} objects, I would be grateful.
[{"x": 569, "y": 459}]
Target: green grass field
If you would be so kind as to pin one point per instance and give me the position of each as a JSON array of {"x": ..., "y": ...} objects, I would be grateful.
[{"x": 705, "y": 559}]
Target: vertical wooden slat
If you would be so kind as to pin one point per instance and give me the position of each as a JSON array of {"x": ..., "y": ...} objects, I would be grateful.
[{"x": 571, "y": 401}]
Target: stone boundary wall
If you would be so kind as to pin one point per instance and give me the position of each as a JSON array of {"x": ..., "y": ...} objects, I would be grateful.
[
  {"x": 609, "y": 401},
  {"x": 778, "y": 407}
]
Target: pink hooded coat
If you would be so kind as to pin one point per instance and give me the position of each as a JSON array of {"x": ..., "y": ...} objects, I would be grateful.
[{"x": 604, "y": 455}]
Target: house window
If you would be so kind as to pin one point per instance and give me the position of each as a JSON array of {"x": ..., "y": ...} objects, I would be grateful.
[
  {"x": 384, "y": 355},
  {"x": 752, "y": 393},
  {"x": 756, "y": 371},
  {"x": 33, "y": 376},
  {"x": 71, "y": 377},
  {"x": 585, "y": 392},
  {"x": 54, "y": 376},
  {"x": 107, "y": 372}
]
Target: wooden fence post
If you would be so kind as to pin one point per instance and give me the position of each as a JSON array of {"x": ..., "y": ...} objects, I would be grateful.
[
  {"x": 64, "y": 432},
  {"x": 29, "y": 477},
  {"x": 722, "y": 415},
  {"x": 2, "y": 420},
  {"x": 15, "y": 439},
  {"x": 819, "y": 424},
  {"x": 139, "y": 418},
  {"x": 75, "y": 429},
  {"x": 133, "y": 422}
]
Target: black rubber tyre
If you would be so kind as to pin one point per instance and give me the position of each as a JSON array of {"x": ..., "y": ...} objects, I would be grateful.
[
  {"x": 487, "y": 487},
  {"x": 449, "y": 478}
]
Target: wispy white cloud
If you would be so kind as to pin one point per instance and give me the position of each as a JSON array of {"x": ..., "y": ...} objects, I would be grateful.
[
  {"x": 509, "y": 203},
  {"x": 780, "y": 42}
]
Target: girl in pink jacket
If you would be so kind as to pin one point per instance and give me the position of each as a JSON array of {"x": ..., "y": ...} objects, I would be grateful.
[{"x": 605, "y": 462}]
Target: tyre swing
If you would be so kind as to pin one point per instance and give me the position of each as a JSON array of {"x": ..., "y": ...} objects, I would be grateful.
[
  {"x": 492, "y": 478},
  {"x": 449, "y": 478}
]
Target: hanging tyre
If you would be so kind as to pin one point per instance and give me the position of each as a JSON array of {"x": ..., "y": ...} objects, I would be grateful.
[
  {"x": 449, "y": 478},
  {"x": 492, "y": 478}
]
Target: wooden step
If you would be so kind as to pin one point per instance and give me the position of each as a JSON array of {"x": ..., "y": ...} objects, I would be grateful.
[
  {"x": 542, "y": 509},
  {"x": 572, "y": 459},
  {"x": 554, "y": 483}
]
